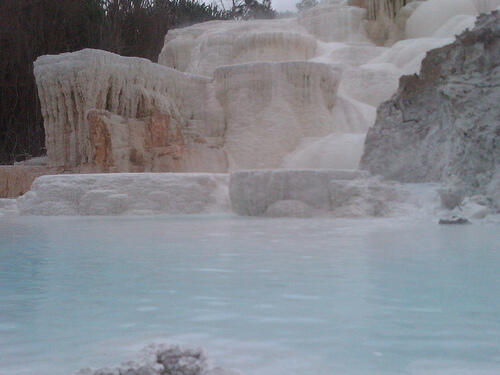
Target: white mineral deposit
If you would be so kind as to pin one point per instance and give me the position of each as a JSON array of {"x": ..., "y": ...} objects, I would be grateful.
[{"x": 264, "y": 200}]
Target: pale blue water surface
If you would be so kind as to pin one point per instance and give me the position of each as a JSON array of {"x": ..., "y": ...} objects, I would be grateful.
[{"x": 265, "y": 296}]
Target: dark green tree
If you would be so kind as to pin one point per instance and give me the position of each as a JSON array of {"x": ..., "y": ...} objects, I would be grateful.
[
  {"x": 252, "y": 9},
  {"x": 306, "y": 4},
  {"x": 31, "y": 28}
]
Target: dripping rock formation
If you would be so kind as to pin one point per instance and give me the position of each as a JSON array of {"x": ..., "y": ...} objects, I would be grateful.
[
  {"x": 295, "y": 93},
  {"x": 225, "y": 96}
]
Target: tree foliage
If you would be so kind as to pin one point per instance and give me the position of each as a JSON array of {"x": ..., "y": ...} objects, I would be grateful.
[
  {"x": 306, "y": 4},
  {"x": 31, "y": 28},
  {"x": 252, "y": 9},
  {"x": 387, "y": 7}
]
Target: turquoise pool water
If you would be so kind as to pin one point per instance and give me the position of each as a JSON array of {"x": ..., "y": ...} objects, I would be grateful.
[{"x": 264, "y": 296}]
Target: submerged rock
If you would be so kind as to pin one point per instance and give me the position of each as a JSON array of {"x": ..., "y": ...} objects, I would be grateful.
[
  {"x": 444, "y": 124},
  {"x": 164, "y": 360},
  {"x": 454, "y": 220}
]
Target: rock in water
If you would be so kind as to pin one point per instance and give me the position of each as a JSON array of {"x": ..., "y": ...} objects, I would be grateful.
[
  {"x": 444, "y": 124},
  {"x": 165, "y": 360},
  {"x": 454, "y": 220}
]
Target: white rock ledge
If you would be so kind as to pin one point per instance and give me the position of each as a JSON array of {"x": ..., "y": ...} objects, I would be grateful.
[
  {"x": 126, "y": 194},
  {"x": 305, "y": 193}
]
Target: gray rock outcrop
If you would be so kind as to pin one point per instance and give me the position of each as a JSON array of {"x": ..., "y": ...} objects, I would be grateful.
[
  {"x": 164, "y": 360},
  {"x": 444, "y": 123}
]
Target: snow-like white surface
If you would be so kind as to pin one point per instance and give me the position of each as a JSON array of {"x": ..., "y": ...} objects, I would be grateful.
[
  {"x": 270, "y": 107},
  {"x": 433, "y": 14},
  {"x": 407, "y": 55},
  {"x": 126, "y": 194},
  {"x": 371, "y": 84},
  {"x": 485, "y": 6},
  {"x": 335, "y": 23},
  {"x": 355, "y": 54},
  {"x": 455, "y": 26},
  {"x": 336, "y": 151},
  {"x": 202, "y": 48},
  {"x": 8, "y": 207},
  {"x": 446, "y": 18}
]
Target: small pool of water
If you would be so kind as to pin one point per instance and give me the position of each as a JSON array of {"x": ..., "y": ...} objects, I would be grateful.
[{"x": 264, "y": 296}]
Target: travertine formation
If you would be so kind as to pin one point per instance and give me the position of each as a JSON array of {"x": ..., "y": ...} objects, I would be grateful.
[
  {"x": 304, "y": 193},
  {"x": 126, "y": 194},
  {"x": 226, "y": 95},
  {"x": 232, "y": 95},
  {"x": 71, "y": 85},
  {"x": 246, "y": 116},
  {"x": 289, "y": 93},
  {"x": 150, "y": 144},
  {"x": 334, "y": 23},
  {"x": 200, "y": 49},
  {"x": 444, "y": 124}
]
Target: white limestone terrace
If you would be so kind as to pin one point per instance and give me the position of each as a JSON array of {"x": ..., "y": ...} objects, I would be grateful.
[
  {"x": 306, "y": 193},
  {"x": 264, "y": 193},
  {"x": 272, "y": 193},
  {"x": 126, "y": 194},
  {"x": 292, "y": 94},
  {"x": 71, "y": 84},
  {"x": 245, "y": 106},
  {"x": 322, "y": 77}
]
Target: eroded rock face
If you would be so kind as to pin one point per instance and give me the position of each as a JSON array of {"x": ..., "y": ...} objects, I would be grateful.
[
  {"x": 150, "y": 144},
  {"x": 72, "y": 84},
  {"x": 444, "y": 124}
]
